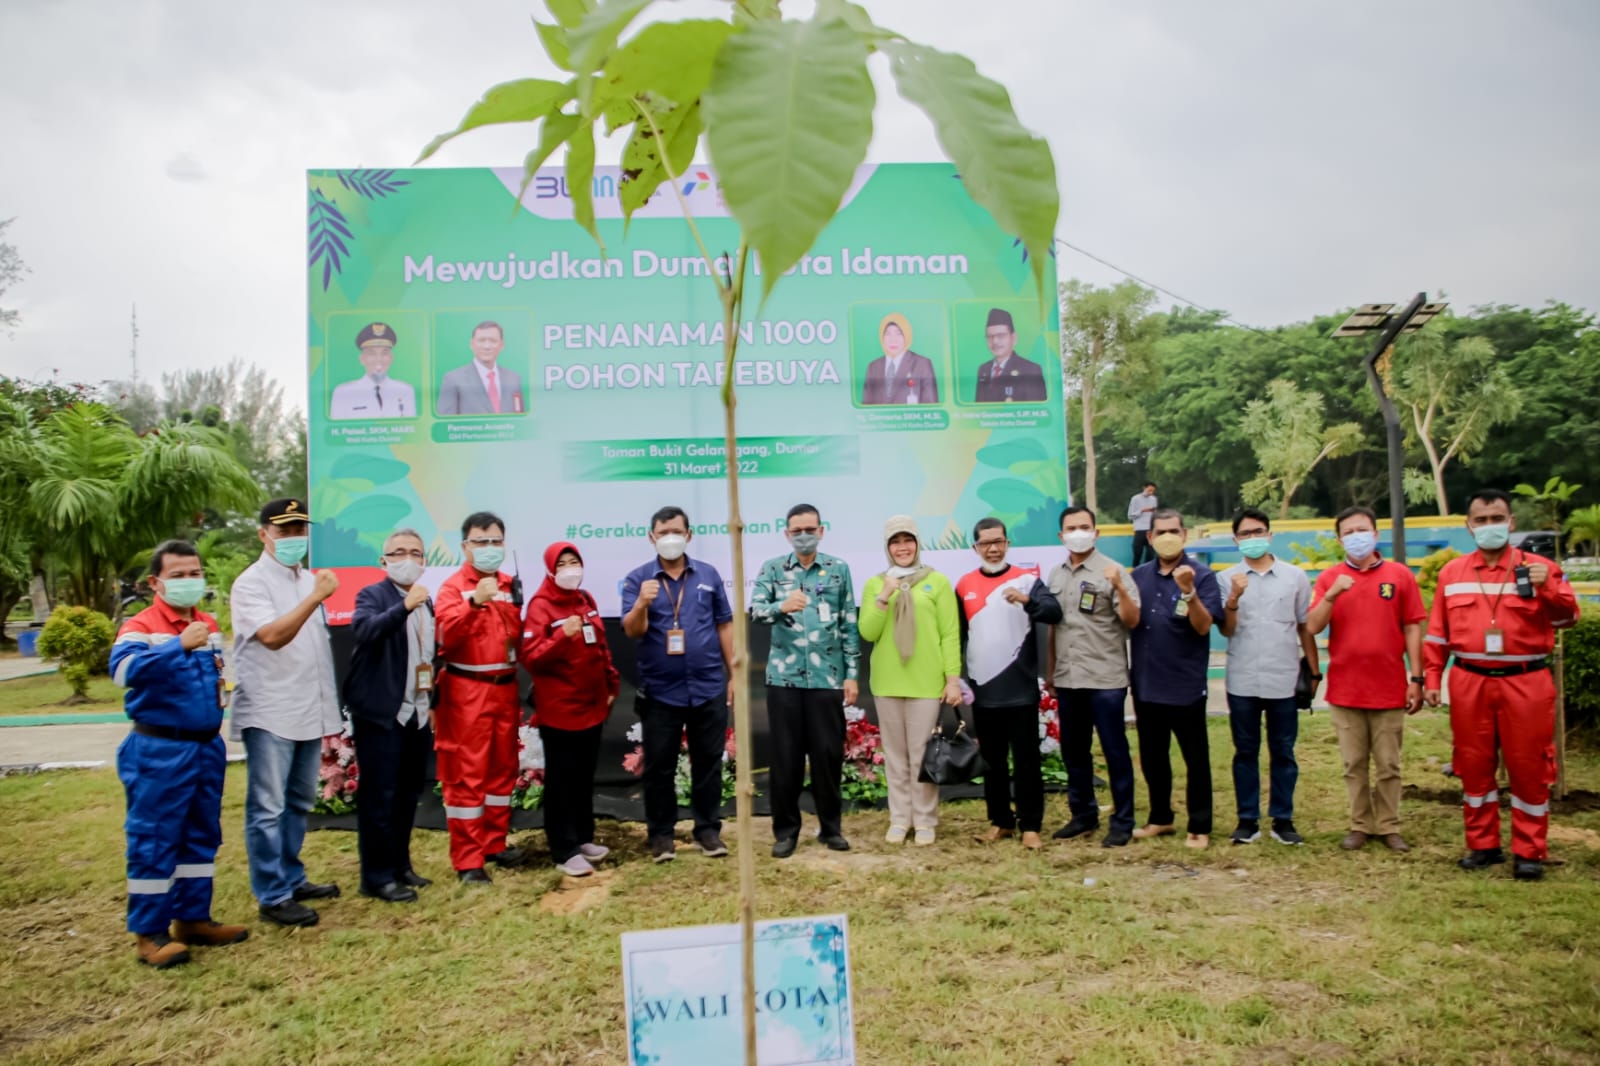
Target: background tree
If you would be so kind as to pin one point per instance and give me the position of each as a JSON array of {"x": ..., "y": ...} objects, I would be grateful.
[
  {"x": 1456, "y": 392},
  {"x": 12, "y": 270},
  {"x": 1287, "y": 431},
  {"x": 1108, "y": 355},
  {"x": 1543, "y": 508},
  {"x": 1583, "y": 530}
]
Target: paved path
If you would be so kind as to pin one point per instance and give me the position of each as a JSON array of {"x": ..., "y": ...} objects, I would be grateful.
[
  {"x": 47, "y": 744},
  {"x": 11, "y": 669}
]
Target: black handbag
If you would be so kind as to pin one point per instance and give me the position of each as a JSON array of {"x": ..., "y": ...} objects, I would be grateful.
[
  {"x": 1305, "y": 686},
  {"x": 951, "y": 759}
]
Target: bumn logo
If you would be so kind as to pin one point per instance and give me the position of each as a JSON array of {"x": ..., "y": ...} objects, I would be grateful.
[{"x": 700, "y": 178}]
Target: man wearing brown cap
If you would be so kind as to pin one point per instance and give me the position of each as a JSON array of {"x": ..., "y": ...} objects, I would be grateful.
[
  {"x": 374, "y": 394},
  {"x": 284, "y": 702},
  {"x": 1007, "y": 377}
]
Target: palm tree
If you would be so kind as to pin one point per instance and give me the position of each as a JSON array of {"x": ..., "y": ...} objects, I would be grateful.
[{"x": 1583, "y": 530}]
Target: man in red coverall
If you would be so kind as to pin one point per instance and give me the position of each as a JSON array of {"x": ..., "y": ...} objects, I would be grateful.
[
  {"x": 1501, "y": 689},
  {"x": 475, "y": 724}
]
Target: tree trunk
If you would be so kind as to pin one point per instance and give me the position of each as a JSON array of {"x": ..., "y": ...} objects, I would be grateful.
[
  {"x": 1425, "y": 434},
  {"x": 1091, "y": 490},
  {"x": 38, "y": 595}
]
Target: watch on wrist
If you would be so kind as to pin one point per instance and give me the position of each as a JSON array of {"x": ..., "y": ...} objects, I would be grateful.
[
  {"x": 1186, "y": 597},
  {"x": 1419, "y": 681}
]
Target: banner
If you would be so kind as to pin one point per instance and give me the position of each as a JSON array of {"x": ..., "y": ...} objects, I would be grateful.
[{"x": 468, "y": 353}]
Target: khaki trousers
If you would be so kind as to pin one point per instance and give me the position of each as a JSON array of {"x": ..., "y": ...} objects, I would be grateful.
[
  {"x": 906, "y": 725},
  {"x": 1376, "y": 736}
]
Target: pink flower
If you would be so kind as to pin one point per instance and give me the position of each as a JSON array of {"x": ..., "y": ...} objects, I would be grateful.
[{"x": 633, "y": 762}]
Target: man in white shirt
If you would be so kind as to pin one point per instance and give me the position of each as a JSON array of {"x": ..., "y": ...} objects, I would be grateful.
[
  {"x": 374, "y": 394},
  {"x": 1141, "y": 509},
  {"x": 483, "y": 386},
  {"x": 284, "y": 703}
]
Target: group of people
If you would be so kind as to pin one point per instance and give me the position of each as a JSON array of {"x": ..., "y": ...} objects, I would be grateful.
[{"x": 440, "y": 671}]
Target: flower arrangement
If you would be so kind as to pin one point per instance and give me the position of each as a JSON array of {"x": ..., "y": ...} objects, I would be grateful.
[
  {"x": 337, "y": 777},
  {"x": 633, "y": 762},
  {"x": 528, "y": 793},
  {"x": 863, "y": 781},
  {"x": 1053, "y": 767}
]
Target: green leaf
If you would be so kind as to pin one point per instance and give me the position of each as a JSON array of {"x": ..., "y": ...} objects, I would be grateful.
[
  {"x": 554, "y": 39},
  {"x": 569, "y": 13},
  {"x": 552, "y": 135},
  {"x": 853, "y": 15},
  {"x": 1006, "y": 169},
  {"x": 373, "y": 512},
  {"x": 642, "y": 170},
  {"x": 1006, "y": 454},
  {"x": 595, "y": 38},
  {"x": 669, "y": 60},
  {"x": 376, "y": 469},
  {"x": 788, "y": 119},
  {"x": 580, "y": 179},
  {"x": 527, "y": 100},
  {"x": 1011, "y": 495}
]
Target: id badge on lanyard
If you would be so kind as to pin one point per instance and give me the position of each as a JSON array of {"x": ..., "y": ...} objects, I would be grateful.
[
  {"x": 1087, "y": 598},
  {"x": 677, "y": 643}
]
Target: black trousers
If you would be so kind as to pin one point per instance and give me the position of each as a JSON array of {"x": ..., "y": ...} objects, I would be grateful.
[
  {"x": 570, "y": 757},
  {"x": 664, "y": 728},
  {"x": 1012, "y": 731},
  {"x": 1158, "y": 724},
  {"x": 1142, "y": 551},
  {"x": 391, "y": 763},
  {"x": 806, "y": 723}
]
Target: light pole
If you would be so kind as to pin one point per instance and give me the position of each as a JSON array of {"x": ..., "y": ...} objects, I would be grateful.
[{"x": 1381, "y": 319}]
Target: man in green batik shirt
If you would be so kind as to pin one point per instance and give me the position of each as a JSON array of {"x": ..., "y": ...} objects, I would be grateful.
[{"x": 809, "y": 601}]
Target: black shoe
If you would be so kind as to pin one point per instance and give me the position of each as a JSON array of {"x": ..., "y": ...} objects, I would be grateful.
[
  {"x": 1527, "y": 870},
  {"x": 784, "y": 847},
  {"x": 310, "y": 891},
  {"x": 290, "y": 912},
  {"x": 475, "y": 876},
  {"x": 1116, "y": 839},
  {"x": 1284, "y": 832},
  {"x": 1249, "y": 832},
  {"x": 710, "y": 843},
  {"x": 1482, "y": 859},
  {"x": 508, "y": 858},
  {"x": 393, "y": 892},
  {"x": 663, "y": 849},
  {"x": 414, "y": 879},
  {"x": 1076, "y": 828},
  {"x": 834, "y": 842}
]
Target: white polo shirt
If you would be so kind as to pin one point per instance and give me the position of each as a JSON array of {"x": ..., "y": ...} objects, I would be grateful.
[{"x": 289, "y": 692}]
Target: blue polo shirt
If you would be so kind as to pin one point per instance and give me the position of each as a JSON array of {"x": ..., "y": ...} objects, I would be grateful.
[
  {"x": 697, "y": 675},
  {"x": 1169, "y": 657}
]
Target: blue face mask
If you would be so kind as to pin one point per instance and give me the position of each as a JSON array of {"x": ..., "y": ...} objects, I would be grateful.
[
  {"x": 1492, "y": 538},
  {"x": 290, "y": 550},
  {"x": 1255, "y": 547},
  {"x": 488, "y": 560},
  {"x": 1360, "y": 545}
]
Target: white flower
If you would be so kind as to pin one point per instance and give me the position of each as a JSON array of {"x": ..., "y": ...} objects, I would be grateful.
[
  {"x": 852, "y": 713},
  {"x": 532, "y": 755},
  {"x": 1048, "y": 746},
  {"x": 636, "y": 732}
]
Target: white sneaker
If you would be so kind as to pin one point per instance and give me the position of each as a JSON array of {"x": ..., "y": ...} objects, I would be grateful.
[
  {"x": 895, "y": 835},
  {"x": 577, "y": 866},
  {"x": 593, "y": 852},
  {"x": 923, "y": 838}
]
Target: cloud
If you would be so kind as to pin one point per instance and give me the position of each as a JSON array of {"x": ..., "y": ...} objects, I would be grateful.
[{"x": 185, "y": 167}]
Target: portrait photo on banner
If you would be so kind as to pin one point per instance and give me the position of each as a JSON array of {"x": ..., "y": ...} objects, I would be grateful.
[
  {"x": 485, "y": 362},
  {"x": 899, "y": 353},
  {"x": 375, "y": 363},
  {"x": 1002, "y": 354}
]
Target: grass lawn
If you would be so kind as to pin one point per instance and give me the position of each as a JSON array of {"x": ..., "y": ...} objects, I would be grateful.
[
  {"x": 43, "y": 693},
  {"x": 962, "y": 954}
]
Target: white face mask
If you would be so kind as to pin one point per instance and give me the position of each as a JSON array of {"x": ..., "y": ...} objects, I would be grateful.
[
  {"x": 1079, "y": 540},
  {"x": 569, "y": 577},
  {"x": 406, "y": 572},
  {"x": 671, "y": 546}
]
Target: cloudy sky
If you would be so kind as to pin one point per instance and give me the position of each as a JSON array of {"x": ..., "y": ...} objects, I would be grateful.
[{"x": 1273, "y": 159}]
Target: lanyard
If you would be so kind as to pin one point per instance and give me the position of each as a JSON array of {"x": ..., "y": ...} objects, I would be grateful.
[
  {"x": 1494, "y": 604},
  {"x": 678, "y": 606}
]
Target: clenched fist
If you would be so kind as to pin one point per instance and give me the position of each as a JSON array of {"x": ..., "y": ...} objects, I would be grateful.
[
  {"x": 1016, "y": 596},
  {"x": 572, "y": 626},
  {"x": 488, "y": 588},
  {"x": 416, "y": 596},
  {"x": 327, "y": 584},
  {"x": 1341, "y": 584},
  {"x": 1184, "y": 576},
  {"x": 1241, "y": 581},
  {"x": 1538, "y": 573},
  {"x": 1114, "y": 576},
  {"x": 648, "y": 591},
  {"x": 795, "y": 601},
  {"x": 194, "y": 635}
]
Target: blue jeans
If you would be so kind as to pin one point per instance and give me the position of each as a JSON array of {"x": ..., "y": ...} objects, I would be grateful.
[
  {"x": 1283, "y": 727},
  {"x": 280, "y": 790},
  {"x": 1085, "y": 712}
]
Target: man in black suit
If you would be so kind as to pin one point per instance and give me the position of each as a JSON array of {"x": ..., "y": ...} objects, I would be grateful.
[
  {"x": 389, "y": 693},
  {"x": 1008, "y": 376}
]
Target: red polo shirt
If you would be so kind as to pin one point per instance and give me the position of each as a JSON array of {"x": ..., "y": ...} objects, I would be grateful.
[{"x": 1366, "y": 638}]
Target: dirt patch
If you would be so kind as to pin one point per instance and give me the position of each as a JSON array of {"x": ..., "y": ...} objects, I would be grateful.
[
  {"x": 1293, "y": 1051},
  {"x": 1566, "y": 834},
  {"x": 578, "y": 894},
  {"x": 1577, "y": 800}
]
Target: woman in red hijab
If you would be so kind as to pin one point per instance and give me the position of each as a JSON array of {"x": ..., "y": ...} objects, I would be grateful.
[{"x": 574, "y": 684}]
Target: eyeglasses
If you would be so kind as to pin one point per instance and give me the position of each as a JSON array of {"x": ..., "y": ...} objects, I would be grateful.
[
  {"x": 404, "y": 553},
  {"x": 1002, "y": 542},
  {"x": 487, "y": 542}
]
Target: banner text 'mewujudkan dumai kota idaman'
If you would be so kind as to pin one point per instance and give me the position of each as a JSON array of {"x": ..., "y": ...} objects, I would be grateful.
[{"x": 467, "y": 356}]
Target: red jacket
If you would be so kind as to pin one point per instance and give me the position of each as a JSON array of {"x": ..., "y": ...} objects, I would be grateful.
[
  {"x": 574, "y": 680},
  {"x": 476, "y": 639},
  {"x": 1473, "y": 596}
]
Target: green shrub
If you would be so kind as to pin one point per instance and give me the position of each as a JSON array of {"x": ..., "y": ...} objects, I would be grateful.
[
  {"x": 80, "y": 640},
  {"x": 1580, "y": 657},
  {"x": 1428, "y": 572}
]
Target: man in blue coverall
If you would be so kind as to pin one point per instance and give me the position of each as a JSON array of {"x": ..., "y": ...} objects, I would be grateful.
[{"x": 169, "y": 658}]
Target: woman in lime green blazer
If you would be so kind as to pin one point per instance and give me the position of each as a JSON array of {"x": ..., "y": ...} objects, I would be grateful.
[{"x": 908, "y": 612}]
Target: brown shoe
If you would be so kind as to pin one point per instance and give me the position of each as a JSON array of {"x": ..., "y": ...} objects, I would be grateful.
[
  {"x": 1145, "y": 832},
  {"x": 1032, "y": 841},
  {"x": 161, "y": 951},
  {"x": 209, "y": 934},
  {"x": 1355, "y": 841},
  {"x": 994, "y": 834},
  {"x": 1197, "y": 841},
  {"x": 1396, "y": 843}
]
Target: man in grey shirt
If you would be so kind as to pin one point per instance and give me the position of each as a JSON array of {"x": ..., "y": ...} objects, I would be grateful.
[
  {"x": 1264, "y": 619},
  {"x": 1089, "y": 653},
  {"x": 1140, "y": 510}
]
